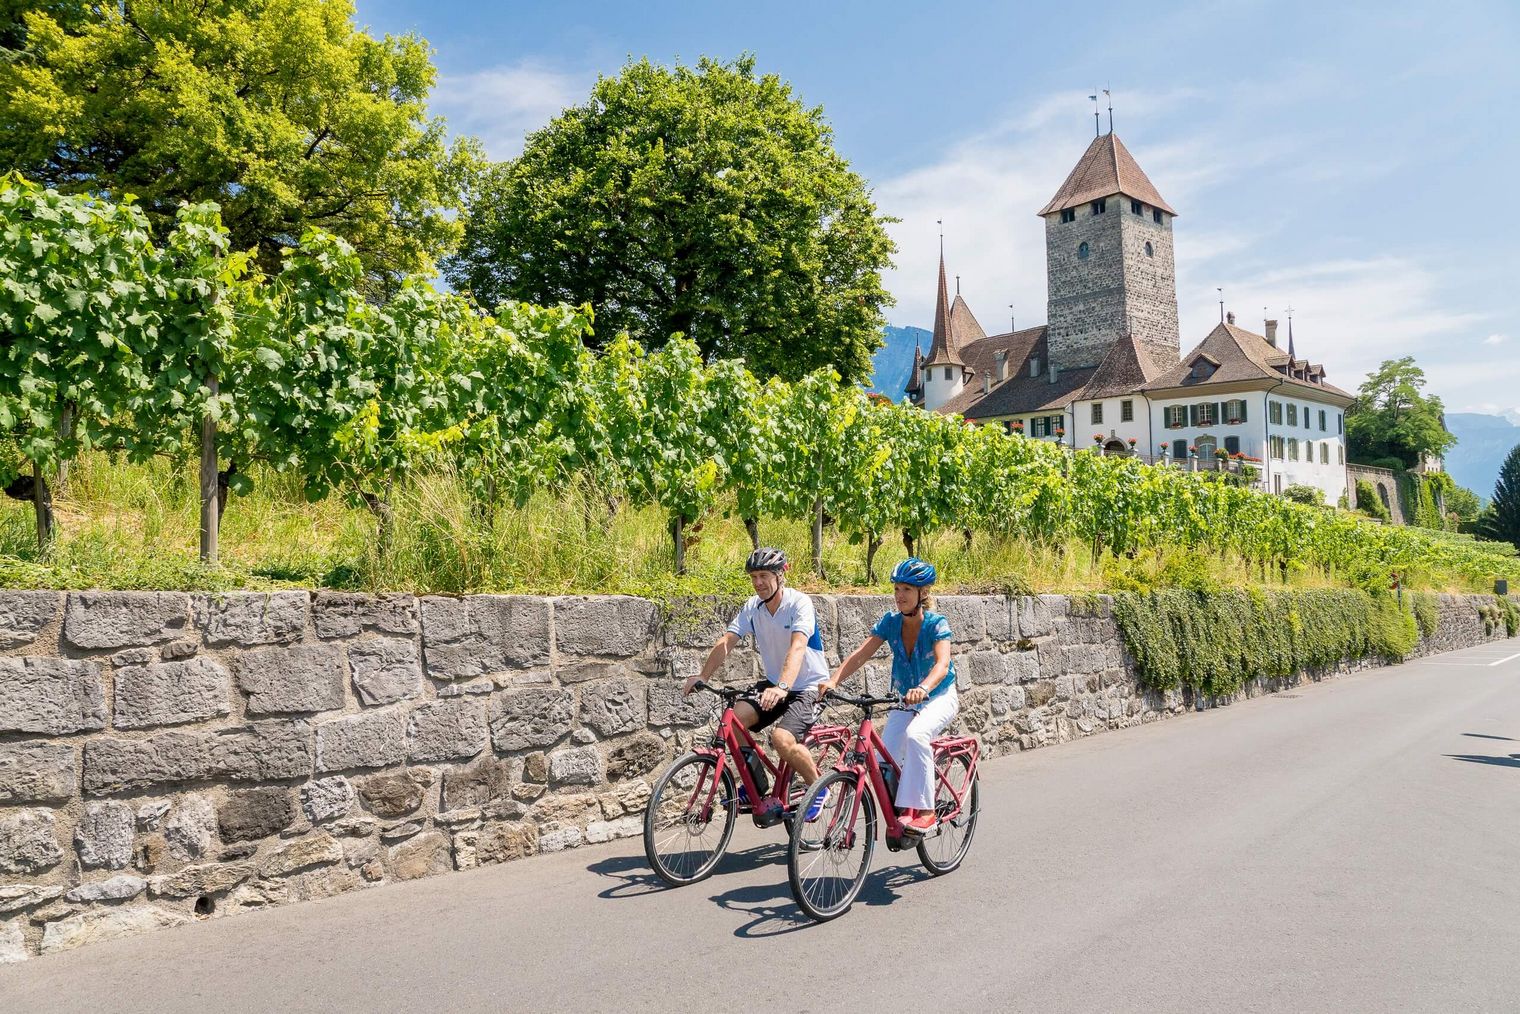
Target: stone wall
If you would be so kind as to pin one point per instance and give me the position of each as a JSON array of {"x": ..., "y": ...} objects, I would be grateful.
[
  {"x": 166, "y": 757},
  {"x": 1385, "y": 482}
]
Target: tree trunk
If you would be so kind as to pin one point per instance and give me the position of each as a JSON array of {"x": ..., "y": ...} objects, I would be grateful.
[
  {"x": 42, "y": 506},
  {"x": 380, "y": 506},
  {"x": 678, "y": 536},
  {"x": 65, "y": 431},
  {"x": 966, "y": 534},
  {"x": 873, "y": 543},
  {"x": 224, "y": 490},
  {"x": 211, "y": 513},
  {"x": 909, "y": 542},
  {"x": 818, "y": 538},
  {"x": 752, "y": 526}
]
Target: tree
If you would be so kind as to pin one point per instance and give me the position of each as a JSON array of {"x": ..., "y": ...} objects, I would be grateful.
[
  {"x": 278, "y": 110},
  {"x": 1463, "y": 505},
  {"x": 702, "y": 201},
  {"x": 1392, "y": 418},
  {"x": 1501, "y": 521}
]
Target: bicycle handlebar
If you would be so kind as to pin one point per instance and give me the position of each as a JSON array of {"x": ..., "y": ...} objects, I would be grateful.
[
  {"x": 728, "y": 693},
  {"x": 863, "y": 701}
]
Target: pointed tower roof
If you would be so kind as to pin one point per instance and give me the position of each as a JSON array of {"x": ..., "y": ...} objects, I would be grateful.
[
  {"x": 963, "y": 324},
  {"x": 943, "y": 351},
  {"x": 916, "y": 378},
  {"x": 1106, "y": 168}
]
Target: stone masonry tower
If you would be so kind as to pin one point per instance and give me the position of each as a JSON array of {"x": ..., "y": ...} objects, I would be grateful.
[{"x": 1109, "y": 264}]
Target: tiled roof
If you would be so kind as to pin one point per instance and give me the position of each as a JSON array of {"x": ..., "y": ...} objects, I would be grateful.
[
  {"x": 964, "y": 328},
  {"x": 1126, "y": 368},
  {"x": 1242, "y": 356},
  {"x": 1106, "y": 168},
  {"x": 1019, "y": 393},
  {"x": 942, "y": 350},
  {"x": 916, "y": 379}
]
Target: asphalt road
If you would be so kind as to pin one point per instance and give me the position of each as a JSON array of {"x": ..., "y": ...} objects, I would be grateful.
[{"x": 1347, "y": 846}]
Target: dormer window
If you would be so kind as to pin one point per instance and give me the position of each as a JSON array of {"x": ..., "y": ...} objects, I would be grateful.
[
  {"x": 1083, "y": 252},
  {"x": 1156, "y": 215},
  {"x": 1068, "y": 214},
  {"x": 1136, "y": 208},
  {"x": 1203, "y": 369},
  {"x": 1100, "y": 206},
  {"x": 1034, "y": 366}
]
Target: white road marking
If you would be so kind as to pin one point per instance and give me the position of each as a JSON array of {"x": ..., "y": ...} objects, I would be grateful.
[{"x": 1509, "y": 658}]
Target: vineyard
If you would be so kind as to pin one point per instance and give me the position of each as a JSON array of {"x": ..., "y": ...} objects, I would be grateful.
[{"x": 158, "y": 355}]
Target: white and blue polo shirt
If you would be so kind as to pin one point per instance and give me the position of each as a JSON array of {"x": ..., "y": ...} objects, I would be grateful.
[{"x": 773, "y": 636}]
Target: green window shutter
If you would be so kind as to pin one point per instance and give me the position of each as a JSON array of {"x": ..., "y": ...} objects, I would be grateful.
[
  {"x": 1242, "y": 404},
  {"x": 1193, "y": 415}
]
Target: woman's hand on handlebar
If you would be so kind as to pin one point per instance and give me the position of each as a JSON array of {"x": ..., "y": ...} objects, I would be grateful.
[{"x": 915, "y": 696}]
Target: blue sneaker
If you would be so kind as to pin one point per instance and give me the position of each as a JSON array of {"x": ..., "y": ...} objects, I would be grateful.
[{"x": 815, "y": 810}]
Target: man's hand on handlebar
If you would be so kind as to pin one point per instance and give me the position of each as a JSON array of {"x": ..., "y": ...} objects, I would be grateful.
[
  {"x": 690, "y": 685},
  {"x": 771, "y": 698}
]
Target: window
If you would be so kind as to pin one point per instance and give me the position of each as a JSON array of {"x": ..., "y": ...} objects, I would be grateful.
[
  {"x": 1034, "y": 366},
  {"x": 1205, "y": 413},
  {"x": 1069, "y": 214},
  {"x": 1156, "y": 214},
  {"x": 1202, "y": 369},
  {"x": 1308, "y": 422},
  {"x": 1100, "y": 205},
  {"x": 1276, "y": 445},
  {"x": 1082, "y": 252},
  {"x": 1150, "y": 251},
  {"x": 1232, "y": 445},
  {"x": 1235, "y": 411},
  {"x": 1274, "y": 413},
  {"x": 1340, "y": 423},
  {"x": 1340, "y": 454},
  {"x": 1292, "y": 414},
  {"x": 1324, "y": 452},
  {"x": 947, "y": 373},
  {"x": 1126, "y": 411},
  {"x": 1293, "y": 448},
  {"x": 1179, "y": 449},
  {"x": 1039, "y": 426},
  {"x": 1176, "y": 416},
  {"x": 1135, "y": 207},
  {"x": 1097, "y": 412},
  {"x": 1322, "y": 420}
]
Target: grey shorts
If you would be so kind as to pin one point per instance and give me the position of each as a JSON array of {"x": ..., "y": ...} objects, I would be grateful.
[{"x": 796, "y": 714}]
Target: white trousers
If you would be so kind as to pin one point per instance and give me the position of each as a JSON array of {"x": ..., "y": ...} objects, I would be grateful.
[{"x": 906, "y": 737}]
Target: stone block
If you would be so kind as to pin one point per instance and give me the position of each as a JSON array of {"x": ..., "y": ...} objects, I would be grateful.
[
  {"x": 53, "y": 696},
  {"x": 560, "y": 838},
  {"x": 668, "y": 707},
  {"x": 588, "y": 672},
  {"x": 151, "y": 814},
  {"x": 386, "y": 670},
  {"x": 482, "y": 783},
  {"x": 105, "y": 835},
  {"x": 327, "y": 799},
  {"x": 98, "y": 925},
  {"x": 698, "y": 621},
  {"x": 1023, "y": 666},
  {"x": 481, "y": 634},
  {"x": 347, "y": 614},
  {"x": 578, "y": 765},
  {"x": 102, "y": 620},
  {"x": 37, "y": 773},
  {"x": 116, "y": 889},
  {"x": 968, "y": 621},
  {"x": 317, "y": 850},
  {"x": 28, "y": 841},
  {"x": 307, "y": 677},
  {"x": 494, "y": 843},
  {"x": 983, "y": 667},
  {"x": 253, "y": 618},
  {"x": 444, "y": 730},
  {"x": 607, "y": 625},
  {"x": 15, "y": 897},
  {"x": 267, "y": 751},
  {"x": 207, "y": 878},
  {"x": 12, "y": 943},
  {"x": 190, "y": 831},
  {"x": 23, "y": 614},
  {"x": 170, "y": 693},
  {"x": 531, "y": 716},
  {"x": 392, "y": 796},
  {"x": 176, "y": 650},
  {"x": 421, "y": 856},
  {"x": 401, "y": 830},
  {"x": 250, "y": 814},
  {"x": 607, "y": 830},
  {"x": 856, "y": 615},
  {"x": 638, "y": 755},
  {"x": 372, "y": 740},
  {"x": 1035, "y": 616},
  {"x": 614, "y": 706}
]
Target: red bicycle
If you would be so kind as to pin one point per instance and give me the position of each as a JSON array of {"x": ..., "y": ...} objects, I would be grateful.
[
  {"x": 830, "y": 856},
  {"x": 690, "y": 815}
]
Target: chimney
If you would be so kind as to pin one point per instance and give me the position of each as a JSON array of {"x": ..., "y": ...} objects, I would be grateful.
[
  {"x": 986, "y": 383},
  {"x": 1272, "y": 333},
  {"x": 1229, "y": 318},
  {"x": 1055, "y": 372}
]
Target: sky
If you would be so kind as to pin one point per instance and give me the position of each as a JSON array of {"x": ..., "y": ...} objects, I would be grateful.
[{"x": 1355, "y": 162}]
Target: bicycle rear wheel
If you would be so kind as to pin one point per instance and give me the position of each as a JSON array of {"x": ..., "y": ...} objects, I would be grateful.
[
  {"x": 687, "y": 825},
  {"x": 942, "y": 850},
  {"x": 829, "y": 858}
]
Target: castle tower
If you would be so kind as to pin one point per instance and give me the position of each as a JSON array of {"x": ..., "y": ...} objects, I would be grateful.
[
  {"x": 1109, "y": 264},
  {"x": 945, "y": 373}
]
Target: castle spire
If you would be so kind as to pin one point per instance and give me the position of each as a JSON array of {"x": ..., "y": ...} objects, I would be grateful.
[{"x": 942, "y": 349}]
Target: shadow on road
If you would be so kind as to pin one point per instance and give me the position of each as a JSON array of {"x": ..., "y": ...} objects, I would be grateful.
[
  {"x": 774, "y": 913},
  {"x": 1512, "y": 761},
  {"x": 635, "y": 878},
  {"x": 1484, "y": 735}
]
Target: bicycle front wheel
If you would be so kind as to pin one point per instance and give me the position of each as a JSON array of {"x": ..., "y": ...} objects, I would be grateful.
[
  {"x": 942, "y": 850},
  {"x": 829, "y": 857},
  {"x": 687, "y": 824}
]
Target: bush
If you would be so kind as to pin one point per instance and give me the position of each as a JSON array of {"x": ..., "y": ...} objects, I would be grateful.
[
  {"x": 1305, "y": 494},
  {"x": 1426, "y": 613},
  {"x": 1369, "y": 503}
]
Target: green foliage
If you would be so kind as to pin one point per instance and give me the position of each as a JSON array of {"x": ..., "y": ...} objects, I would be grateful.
[
  {"x": 1393, "y": 418},
  {"x": 705, "y": 201},
  {"x": 279, "y": 110},
  {"x": 1463, "y": 505},
  {"x": 1304, "y": 494},
  {"x": 1426, "y": 612},
  {"x": 1213, "y": 642},
  {"x": 1501, "y": 520},
  {"x": 1369, "y": 503}
]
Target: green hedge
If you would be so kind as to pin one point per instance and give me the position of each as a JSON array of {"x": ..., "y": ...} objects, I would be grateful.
[
  {"x": 1213, "y": 642},
  {"x": 1427, "y": 612}
]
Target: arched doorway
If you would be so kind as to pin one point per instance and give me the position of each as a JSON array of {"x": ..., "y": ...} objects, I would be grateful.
[
  {"x": 1116, "y": 448},
  {"x": 1206, "y": 447}
]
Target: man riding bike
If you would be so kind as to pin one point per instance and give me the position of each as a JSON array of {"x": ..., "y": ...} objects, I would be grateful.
[{"x": 784, "y": 627}]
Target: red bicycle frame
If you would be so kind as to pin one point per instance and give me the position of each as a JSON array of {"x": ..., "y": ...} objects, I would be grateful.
[
  {"x": 867, "y": 745},
  {"x": 729, "y": 740}
]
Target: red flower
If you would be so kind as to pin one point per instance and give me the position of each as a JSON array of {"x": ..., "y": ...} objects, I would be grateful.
[
  {"x": 1097, "y": 438},
  {"x": 1192, "y": 450},
  {"x": 1132, "y": 441}
]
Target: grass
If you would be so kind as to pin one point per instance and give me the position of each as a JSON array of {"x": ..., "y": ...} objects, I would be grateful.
[{"x": 128, "y": 526}]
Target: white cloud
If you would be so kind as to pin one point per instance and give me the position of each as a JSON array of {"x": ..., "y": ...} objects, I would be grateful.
[
  {"x": 1494, "y": 339},
  {"x": 502, "y": 105}
]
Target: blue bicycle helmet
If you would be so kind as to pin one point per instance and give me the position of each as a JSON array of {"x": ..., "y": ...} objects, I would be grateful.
[{"x": 918, "y": 573}]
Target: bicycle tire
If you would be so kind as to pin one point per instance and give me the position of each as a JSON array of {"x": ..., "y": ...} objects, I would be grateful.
[
  {"x": 817, "y": 897},
  {"x": 932, "y": 851},
  {"x": 700, "y": 866}
]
